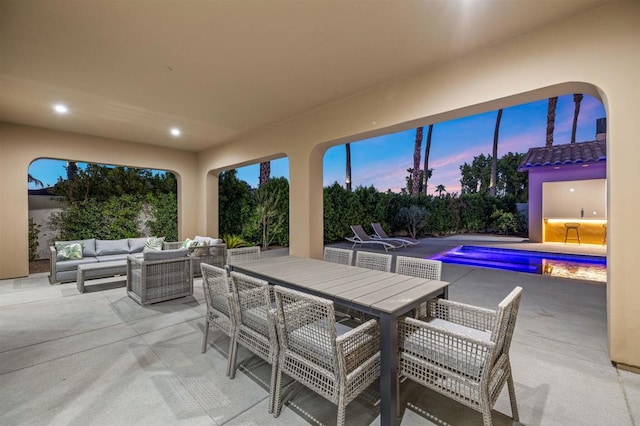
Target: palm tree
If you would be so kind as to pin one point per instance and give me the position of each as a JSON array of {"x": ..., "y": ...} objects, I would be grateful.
[
  {"x": 551, "y": 119},
  {"x": 36, "y": 182},
  {"x": 440, "y": 189},
  {"x": 72, "y": 170},
  {"x": 265, "y": 172},
  {"x": 347, "y": 179},
  {"x": 577, "y": 98},
  {"x": 494, "y": 158},
  {"x": 416, "y": 162},
  {"x": 427, "y": 150}
]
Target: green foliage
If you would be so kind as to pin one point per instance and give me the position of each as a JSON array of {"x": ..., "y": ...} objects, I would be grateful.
[
  {"x": 270, "y": 218},
  {"x": 236, "y": 203},
  {"x": 34, "y": 233},
  {"x": 414, "y": 217},
  {"x": 164, "y": 208},
  {"x": 234, "y": 241},
  {"x": 504, "y": 222},
  {"x": 475, "y": 178},
  {"x": 112, "y": 219},
  {"x": 100, "y": 182}
]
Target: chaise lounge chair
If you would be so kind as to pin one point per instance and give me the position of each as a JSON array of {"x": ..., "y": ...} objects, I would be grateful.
[
  {"x": 361, "y": 238},
  {"x": 381, "y": 235}
]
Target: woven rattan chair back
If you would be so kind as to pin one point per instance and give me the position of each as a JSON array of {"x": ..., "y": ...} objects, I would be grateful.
[
  {"x": 338, "y": 255},
  {"x": 338, "y": 368},
  {"x": 242, "y": 254},
  {"x": 375, "y": 261},
  {"x": 421, "y": 268},
  {"x": 506, "y": 322},
  {"x": 256, "y": 328},
  {"x": 466, "y": 348},
  {"x": 220, "y": 311},
  {"x": 308, "y": 327}
]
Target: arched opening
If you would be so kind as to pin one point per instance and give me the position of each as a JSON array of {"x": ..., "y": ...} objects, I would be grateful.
[
  {"x": 70, "y": 200},
  {"x": 253, "y": 204}
]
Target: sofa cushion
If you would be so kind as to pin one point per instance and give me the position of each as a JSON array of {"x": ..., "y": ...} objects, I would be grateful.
[
  {"x": 68, "y": 251},
  {"x": 105, "y": 247},
  {"x": 72, "y": 265},
  {"x": 88, "y": 246},
  {"x": 165, "y": 254},
  {"x": 111, "y": 257},
  {"x": 136, "y": 245},
  {"x": 210, "y": 241},
  {"x": 154, "y": 243}
]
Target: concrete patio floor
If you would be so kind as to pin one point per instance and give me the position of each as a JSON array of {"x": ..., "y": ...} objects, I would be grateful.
[{"x": 100, "y": 359}]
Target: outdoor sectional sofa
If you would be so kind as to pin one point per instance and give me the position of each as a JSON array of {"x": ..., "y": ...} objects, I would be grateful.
[{"x": 95, "y": 251}]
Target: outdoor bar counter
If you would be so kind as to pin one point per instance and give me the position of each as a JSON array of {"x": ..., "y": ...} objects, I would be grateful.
[{"x": 591, "y": 231}]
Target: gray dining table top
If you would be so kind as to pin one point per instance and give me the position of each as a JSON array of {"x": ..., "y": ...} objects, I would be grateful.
[{"x": 386, "y": 292}]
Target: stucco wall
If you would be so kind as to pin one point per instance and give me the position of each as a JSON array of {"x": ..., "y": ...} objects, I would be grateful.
[
  {"x": 594, "y": 52},
  {"x": 20, "y": 145}
]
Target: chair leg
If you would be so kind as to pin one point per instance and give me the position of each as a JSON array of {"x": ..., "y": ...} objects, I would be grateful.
[
  {"x": 512, "y": 398},
  {"x": 277, "y": 391},
  {"x": 232, "y": 348},
  {"x": 274, "y": 373},
  {"x": 342, "y": 408},
  {"x": 485, "y": 408},
  {"x": 205, "y": 338},
  {"x": 232, "y": 359}
]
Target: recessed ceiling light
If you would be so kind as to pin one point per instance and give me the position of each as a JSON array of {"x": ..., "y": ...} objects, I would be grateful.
[
  {"x": 175, "y": 131},
  {"x": 60, "y": 108}
]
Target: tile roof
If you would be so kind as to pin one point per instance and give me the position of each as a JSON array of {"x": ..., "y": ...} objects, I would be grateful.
[{"x": 567, "y": 154}]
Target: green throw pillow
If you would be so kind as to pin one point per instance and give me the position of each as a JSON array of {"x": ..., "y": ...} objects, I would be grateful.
[
  {"x": 190, "y": 243},
  {"x": 68, "y": 251},
  {"x": 154, "y": 243}
]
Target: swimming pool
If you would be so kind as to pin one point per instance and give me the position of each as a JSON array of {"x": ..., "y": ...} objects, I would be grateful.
[{"x": 575, "y": 266}]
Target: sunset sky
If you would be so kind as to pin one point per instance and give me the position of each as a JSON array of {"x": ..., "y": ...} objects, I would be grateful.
[{"x": 382, "y": 161}]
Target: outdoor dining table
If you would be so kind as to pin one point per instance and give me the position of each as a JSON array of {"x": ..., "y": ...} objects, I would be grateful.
[{"x": 384, "y": 295}]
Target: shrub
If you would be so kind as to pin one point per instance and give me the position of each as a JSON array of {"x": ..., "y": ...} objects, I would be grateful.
[
  {"x": 504, "y": 222},
  {"x": 414, "y": 217},
  {"x": 34, "y": 233},
  {"x": 234, "y": 241}
]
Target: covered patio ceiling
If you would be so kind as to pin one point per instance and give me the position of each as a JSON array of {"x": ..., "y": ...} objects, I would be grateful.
[{"x": 220, "y": 70}]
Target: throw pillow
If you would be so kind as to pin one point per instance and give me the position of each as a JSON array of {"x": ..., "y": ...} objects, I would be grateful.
[
  {"x": 154, "y": 243},
  {"x": 203, "y": 249},
  {"x": 68, "y": 251},
  {"x": 190, "y": 243}
]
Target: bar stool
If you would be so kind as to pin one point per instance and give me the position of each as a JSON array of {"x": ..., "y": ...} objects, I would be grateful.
[
  {"x": 604, "y": 237},
  {"x": 571, "y": 226}
]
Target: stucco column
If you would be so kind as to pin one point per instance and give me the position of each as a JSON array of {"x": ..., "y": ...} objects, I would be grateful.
[
  {"x": 212, "y": 210},
  {"x": 306, "y": 218},
  {"x": 623, "y": 291}
]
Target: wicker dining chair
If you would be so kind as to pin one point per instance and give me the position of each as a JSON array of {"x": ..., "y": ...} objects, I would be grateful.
[
  {"x": 338, "y": 255},
  {"x": 329, "y": 358},
  {"x": 375, "y": 261},
  {"x": 421, "y": 268},
  {"x": 462, "y": 351},
  {"x": 241, "y": 254},
  {"x": 220, "y": 309},
  {"x": 256, "y": 329}
]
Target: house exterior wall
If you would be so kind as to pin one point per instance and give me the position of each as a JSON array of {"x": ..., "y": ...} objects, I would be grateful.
[
  {"x": 538, "y": 176},
  {"x": 557, "y": 59}
]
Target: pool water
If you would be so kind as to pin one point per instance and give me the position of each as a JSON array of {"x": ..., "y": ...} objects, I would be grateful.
[{"x": 575, "y": 266}]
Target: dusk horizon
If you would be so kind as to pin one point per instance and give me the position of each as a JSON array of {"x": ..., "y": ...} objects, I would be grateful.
[{"x": 382, "y": 161}]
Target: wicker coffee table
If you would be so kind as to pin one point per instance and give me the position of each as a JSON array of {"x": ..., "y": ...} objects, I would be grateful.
[{"x": 100, "y": 269}]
